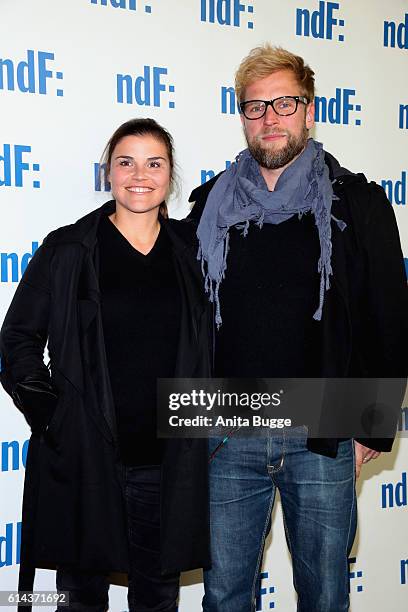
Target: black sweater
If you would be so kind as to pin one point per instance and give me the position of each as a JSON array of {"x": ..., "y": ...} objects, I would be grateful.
[
  {"x": 141, "y": 318},
  {"x": 268, "y": 298}
]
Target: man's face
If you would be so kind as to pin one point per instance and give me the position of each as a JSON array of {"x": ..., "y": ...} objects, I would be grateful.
[{"x": 273, "y": 140}]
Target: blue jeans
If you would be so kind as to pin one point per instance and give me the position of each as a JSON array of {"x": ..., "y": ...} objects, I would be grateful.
[{"x": 319, "y": 510}]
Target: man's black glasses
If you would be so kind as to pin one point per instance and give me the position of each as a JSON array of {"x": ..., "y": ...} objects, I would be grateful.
[{"x": 283, "y": 106}]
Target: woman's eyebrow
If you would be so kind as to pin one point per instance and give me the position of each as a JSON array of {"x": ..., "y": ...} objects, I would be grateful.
[{"x": 148, "y": 158}]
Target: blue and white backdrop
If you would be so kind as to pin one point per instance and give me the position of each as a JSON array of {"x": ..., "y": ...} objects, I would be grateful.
[{"x": 71, "y": 71}]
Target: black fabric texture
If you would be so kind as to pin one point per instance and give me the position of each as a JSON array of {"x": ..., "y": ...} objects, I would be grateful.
[
  {"x": 141, "y": 319},
  {"x": 268, "y": 298}
]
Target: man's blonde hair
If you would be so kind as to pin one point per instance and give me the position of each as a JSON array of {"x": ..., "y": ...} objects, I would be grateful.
[{"x": 265, "y": 60}]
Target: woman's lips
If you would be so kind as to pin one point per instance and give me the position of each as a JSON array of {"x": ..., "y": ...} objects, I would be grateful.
[{"x": 139, "y": 189}]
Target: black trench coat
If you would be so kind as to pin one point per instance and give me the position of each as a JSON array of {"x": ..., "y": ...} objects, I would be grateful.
[{"x": 73, "y": 507}]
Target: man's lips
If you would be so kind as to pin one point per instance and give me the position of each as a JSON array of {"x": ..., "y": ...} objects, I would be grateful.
[{"x": 273, "y": 136}]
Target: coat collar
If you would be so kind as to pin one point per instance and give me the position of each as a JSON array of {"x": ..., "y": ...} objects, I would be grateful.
[
  {"x": 84, "y": 231},
  {"x": 337, "y": 173}
]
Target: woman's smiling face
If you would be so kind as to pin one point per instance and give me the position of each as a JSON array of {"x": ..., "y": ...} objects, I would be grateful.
[{"x": 140, "y": 173}]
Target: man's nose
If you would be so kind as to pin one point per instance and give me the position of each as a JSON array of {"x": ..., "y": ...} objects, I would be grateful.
[{"x": 270, "y": 116}]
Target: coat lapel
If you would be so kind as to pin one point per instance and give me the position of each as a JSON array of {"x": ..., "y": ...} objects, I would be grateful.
[
  {"x": 93, "y": 349},
  {"x": 336, "y": 320},
  {"x": 194, "y": 306},
  {"x": 84, "y": 364}
]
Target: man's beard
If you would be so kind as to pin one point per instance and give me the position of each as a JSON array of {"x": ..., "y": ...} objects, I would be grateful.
[{"x": 272, "y": 159}]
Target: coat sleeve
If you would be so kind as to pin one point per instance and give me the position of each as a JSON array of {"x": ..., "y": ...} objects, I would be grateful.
[
  {"x": 388, "y": 308},
  {"x": 23, "y": 338}
]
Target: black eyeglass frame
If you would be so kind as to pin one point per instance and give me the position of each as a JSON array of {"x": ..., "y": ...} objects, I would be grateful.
[{"x": 267, "y": 103}]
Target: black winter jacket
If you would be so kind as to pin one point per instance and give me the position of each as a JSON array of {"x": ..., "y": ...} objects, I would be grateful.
[{"x": 365, "y": 313}]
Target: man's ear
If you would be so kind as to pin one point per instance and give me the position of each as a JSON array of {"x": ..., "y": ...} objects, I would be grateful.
[{"x": 310, "y": 115}]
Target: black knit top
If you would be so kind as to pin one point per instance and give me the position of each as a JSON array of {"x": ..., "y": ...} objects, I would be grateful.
[
  {"x": 268, "y": 298},
  {"x": 141, "y": 308}
]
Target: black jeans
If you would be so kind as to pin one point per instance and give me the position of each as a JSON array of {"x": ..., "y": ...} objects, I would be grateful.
[{"x": 148, "y": 591}]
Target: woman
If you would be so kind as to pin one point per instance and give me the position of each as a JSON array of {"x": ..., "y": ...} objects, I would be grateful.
[{"x": 118, "y": 298}]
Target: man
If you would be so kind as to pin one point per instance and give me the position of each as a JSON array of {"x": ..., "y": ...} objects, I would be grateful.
[{"x": 304, "y": 266}]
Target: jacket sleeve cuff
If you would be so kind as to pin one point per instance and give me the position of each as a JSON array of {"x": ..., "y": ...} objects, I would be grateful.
[{"x": 37, "y": 400}]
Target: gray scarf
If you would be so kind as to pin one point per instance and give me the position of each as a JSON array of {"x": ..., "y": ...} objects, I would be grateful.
[{"x": 241, "y": 195}]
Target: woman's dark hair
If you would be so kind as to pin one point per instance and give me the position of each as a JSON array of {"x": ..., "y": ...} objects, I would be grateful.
[{"x": 143, "y": 127}]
